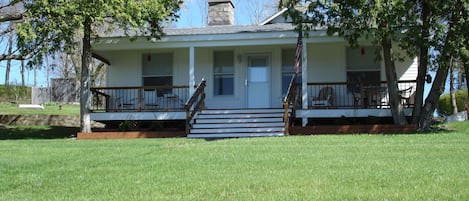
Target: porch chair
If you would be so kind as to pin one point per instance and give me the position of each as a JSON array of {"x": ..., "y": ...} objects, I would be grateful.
[
  {"x": 121, "y": 100},
  {"x": 379, "y": 97},
  {"x": 324, "y": 98},
  {"x": 150, "y": 99},
  {"x": 124, "y": 104},
  {"x": 356, "y": 98},
  {"x": 406, "y": 96}
]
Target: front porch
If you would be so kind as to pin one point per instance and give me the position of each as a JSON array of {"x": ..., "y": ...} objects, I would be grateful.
[
  {"x": 319, "y": 100},
  {"x": 334, "y": 102}
]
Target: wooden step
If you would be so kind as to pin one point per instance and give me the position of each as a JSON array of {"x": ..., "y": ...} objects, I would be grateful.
[
  {"x": 238, "y": 125},
  {"x": 241, "y": 111},
  {"x": 237, "y": 116},
  {"x": 222, "y": 123},
  {"x": 237, "y": 130},
  {"x": 240, "y": 120},
  {"x": 230, "y": 135}
]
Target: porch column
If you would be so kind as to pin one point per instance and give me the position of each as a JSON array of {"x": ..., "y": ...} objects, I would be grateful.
[
  {"x": 304, "y": 78},
  {"x": 191, "y": 70}
]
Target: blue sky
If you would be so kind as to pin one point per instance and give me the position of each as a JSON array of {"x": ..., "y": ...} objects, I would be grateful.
[{"x": 15, "y": 75}]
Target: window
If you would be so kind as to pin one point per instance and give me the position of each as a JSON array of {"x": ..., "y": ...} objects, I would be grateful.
[
  {"x": 223, "y": 73},
  {"x": 158, "y": 71},
  {"x": 288, "y": 69},
  {"x": 362, "y": 67}
]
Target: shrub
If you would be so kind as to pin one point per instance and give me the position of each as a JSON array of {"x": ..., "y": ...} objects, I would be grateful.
[
  {"x": 15, "y": 94},
  {"x": 444, "y": 103}
]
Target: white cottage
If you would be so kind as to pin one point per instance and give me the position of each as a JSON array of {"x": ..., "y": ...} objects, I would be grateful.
[{"x": 247, "y": 71}]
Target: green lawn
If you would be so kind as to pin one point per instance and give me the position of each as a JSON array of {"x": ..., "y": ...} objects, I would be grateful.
[
  {"x": 352, "y": 167},
  {"x": 49, "y": 109}
]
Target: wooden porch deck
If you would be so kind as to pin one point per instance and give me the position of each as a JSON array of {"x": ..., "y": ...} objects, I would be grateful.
[{"x": 162, "y": 103}]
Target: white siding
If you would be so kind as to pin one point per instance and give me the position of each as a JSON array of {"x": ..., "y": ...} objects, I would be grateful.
[
  {"x": 326, "y": 62},
  {"x": 125, "y": 69},
  {"x": 407, "y": 70}
]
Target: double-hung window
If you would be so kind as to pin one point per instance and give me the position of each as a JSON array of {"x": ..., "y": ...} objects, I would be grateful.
[
  {"x": 363, "y": 67},
  {"x": 223, "y": 73}
]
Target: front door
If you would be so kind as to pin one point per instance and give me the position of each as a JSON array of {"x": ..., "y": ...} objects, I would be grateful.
[{"x": 258, "y": 81}]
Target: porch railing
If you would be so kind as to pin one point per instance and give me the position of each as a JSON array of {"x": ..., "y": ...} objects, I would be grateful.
[
  {"x": 147, "y": 98},
  {"x": 357, "y": 95},
  {"x": 290, "y": 103},
  {"x": 195, "y": 103}
]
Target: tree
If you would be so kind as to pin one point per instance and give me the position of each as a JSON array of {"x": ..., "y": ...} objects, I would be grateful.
[
  {"x": 68, "y": 65},
  {"x": 436, "y": 30},
  {"x": 421, "y": 32},
  {"x": 50, "y": 25},
  {"x": 10, "y": 15},
  {"x": 258, "y": 10},
  {"x": 9, "y": 52},
  {"x": 379, "y": 21},
  {"x": 452, "y": 90},
  {"x": 447, "y": 39}
]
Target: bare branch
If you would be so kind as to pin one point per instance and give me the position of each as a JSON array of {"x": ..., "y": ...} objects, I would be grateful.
[
  {"x": 13, "y": 11},
  {"x": 4, "y": 57}
]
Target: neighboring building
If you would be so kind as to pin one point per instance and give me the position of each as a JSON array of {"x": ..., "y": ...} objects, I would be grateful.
[{"x": 245, "y": 67}]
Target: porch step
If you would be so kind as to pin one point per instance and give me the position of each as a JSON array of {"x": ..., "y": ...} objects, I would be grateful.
[
  {"x": 238, "y": 130},
  {"x": 242, "y": 111},
  {"x": 253, "y": 120},
  {"x": 236, "y": 135},
  {"x": 238, "y": 123}
]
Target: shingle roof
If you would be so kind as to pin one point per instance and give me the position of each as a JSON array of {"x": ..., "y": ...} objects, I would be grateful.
[
  {"x": 226, "y": 29},
  {"x": 211, "y": 30}
]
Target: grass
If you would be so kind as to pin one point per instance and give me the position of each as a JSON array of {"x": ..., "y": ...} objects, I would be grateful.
[
  {"x": 49, "y": 109},
  {"x": 353, "y": 167}
]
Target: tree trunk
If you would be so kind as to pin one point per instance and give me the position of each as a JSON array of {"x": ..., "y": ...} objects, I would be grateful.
[
  {"x": 397, "y": 108},
  {"x": 85, "y": 92},
  {"x": 431, "y": 102},
  {"x": 452, "y": 90},
  {"x": 464, "y": 55},
  {"x": 23, "y": 82},
  {"x": 66, "y": 67},
  {"x": 423, "y": 62},
  {"x": 10, "y": 51},
  {"x": 35, "y": 76},
  {"x": 438, "y": 86}
]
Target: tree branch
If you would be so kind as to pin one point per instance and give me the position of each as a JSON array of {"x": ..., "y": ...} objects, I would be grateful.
[
  {"x": 4, "y": 57},
  {"x": 11, "y": 17}
]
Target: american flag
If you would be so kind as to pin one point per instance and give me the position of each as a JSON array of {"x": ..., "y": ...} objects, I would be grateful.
[{"x": 299, "y": 48}]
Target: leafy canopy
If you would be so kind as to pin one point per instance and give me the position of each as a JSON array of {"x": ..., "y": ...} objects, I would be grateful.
[{"x": 53, "y": 25}]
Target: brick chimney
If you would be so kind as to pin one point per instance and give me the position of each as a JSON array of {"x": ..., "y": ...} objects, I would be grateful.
[{"x": 220, "y": 12}]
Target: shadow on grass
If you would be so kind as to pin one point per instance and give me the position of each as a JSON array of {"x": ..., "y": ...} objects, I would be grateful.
[{"x": 47, "y": 132}]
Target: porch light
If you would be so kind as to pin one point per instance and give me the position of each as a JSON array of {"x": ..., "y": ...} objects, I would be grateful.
[
  {"x": 148, "y": 57},
  {"x": 362, "y": 51}
]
